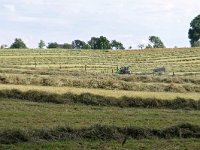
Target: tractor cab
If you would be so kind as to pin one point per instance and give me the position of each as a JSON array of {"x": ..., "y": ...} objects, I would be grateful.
[{"x": 123, "y": 70}]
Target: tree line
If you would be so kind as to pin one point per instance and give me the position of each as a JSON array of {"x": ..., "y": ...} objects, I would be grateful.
[
  {"x": 103, "y": 42},
  {"x": 94, "y": 43}
]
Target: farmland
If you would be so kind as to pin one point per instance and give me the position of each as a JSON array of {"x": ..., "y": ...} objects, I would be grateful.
[
  {"x": 43, "y": 90},
  {"x": 181, "y": 61}
]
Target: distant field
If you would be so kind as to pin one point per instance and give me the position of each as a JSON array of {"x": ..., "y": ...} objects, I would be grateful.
[
  {"x": 180, "y": 61},
  {"x": 92, "y": 71}
]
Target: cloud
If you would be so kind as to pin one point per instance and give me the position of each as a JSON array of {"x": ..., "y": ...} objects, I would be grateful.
[
  {"x": 49, "y": 21},
  {"x": 9, "y": 7},
  {"x": 130, "y": 21}
]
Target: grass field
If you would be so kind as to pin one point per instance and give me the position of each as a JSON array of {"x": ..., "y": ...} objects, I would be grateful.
[
  {"x": 62, "y": 71},
  {"x": 20, "y": 114}
]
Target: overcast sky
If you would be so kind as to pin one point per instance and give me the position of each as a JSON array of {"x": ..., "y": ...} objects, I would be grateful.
[{"x": 128, "y": 21}]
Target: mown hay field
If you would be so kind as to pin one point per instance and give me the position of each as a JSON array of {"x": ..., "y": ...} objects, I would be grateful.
[
  {"x": 180, "y": 61},
  {"x": 62, "y": 99}
]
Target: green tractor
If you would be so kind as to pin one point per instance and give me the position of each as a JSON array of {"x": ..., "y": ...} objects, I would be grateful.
[{"x": 123, "y": 70}]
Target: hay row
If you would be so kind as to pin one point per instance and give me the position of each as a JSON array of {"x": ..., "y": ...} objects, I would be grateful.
[
  {"x": 111, "y": 83},
  {"x": 103, "y": 132},
  {"x": 6, "y": 74},
  {"x": 96, "y": 100}
]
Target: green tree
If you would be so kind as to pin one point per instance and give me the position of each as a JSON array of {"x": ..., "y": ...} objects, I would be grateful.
[
  {"x": 149, "y": 46},
  {"x": 67, "y": 46},
  {"x": 86, "y": 46},
  {"x": 53, "y": 45},
  {"x": 157, "y": 43},
  {"x": 196, "y": 44},
  {"x": 116, "y": 45},
  {"x": 194, "y": 31},
  {"x": 99, "y": 43},
  {"x": 41, "y": 44},
  {"x": 18, "y": 44},
  {"x": 78, "y": 44},
  {"x": 94, "y": 43},
  {"x": 104, "y": 43}
]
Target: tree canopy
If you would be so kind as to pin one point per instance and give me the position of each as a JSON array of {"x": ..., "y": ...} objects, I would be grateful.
[
  {"x": 41, "y": 44},
  {"x": 156, "y": 41},
  {"x": 104, "y": 43},
  {"x": 194, "y": 32},
  {"x": 67, "y": 46},
  {"x": 116, "y": 45},
  {"x": 149, "y": 46},
  {"x": 78, "y": 44},
  {"x": 53, "y": 45},
  {"x": 18, "y": 44},
  {"x": 99, "y": 43},
  {"x": 94, "y": 43}
]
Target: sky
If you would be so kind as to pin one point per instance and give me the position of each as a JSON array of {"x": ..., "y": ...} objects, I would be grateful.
[{"x": 128, "y": 21}]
